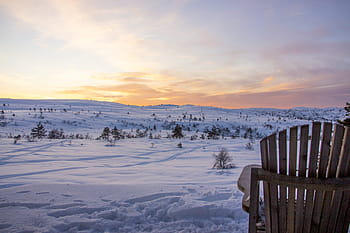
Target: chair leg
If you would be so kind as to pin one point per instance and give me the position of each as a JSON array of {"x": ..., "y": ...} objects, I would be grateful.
[{"x": 254, "y": 201}]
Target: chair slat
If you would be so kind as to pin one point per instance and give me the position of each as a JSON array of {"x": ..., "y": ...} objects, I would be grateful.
[
  {"x": 293, "y": 134},
  {"x": 322, "y": 170},
  {"x": 272, "y": 160},
  {"x": 315, "y": 142},
  {"x": 325, "y": 149},
  {"x": 264, "y": 164},
  {"x": 343, "y": 219},
  {"x": 300, "y": 210},
  {"x": 282, "y": 148},
  {"x": 329, "y": 215},
  {"x": 344, "y": 224}
]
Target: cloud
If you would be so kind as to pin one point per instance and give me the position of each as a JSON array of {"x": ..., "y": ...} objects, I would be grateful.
[
  {"x": 308, "y": 97},
  {"x": 321, "y": 49},
  {"x": 128, "y": 35},
  {"x": 120, "y": 75},
  {"x": 268, "y": 93},
  {"x": 267, "y": 80}
]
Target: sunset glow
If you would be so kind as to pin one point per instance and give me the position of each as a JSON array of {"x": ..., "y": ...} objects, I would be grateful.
[{"x": 231, "y": 54}]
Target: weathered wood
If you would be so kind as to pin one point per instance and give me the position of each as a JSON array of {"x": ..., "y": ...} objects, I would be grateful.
[
  {"x": 344, "y": 171},
  {"x": 323, "y": 174},
  {"x": 265, "y": 166},
  {"x": 304, "y": 135},
  {"x": 254, "y": 200},
  {"x": 331, "y": 172},
  {"x": 312, "y": 172},
  {"x": 293, "y": 134},
  {"x": 322, "y": 170},
  {"x": 344, "y": 223},
  {"x": 243, "y": 184},
  {"x": 327, "y": 184},
  {"x": 272, "y": 160},
  {"x": 282, "y": 148}
]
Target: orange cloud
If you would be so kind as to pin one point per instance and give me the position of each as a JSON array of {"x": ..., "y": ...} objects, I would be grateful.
[
  {"x": 284, "y": 95},
  {"x": 267, "y": 80}
]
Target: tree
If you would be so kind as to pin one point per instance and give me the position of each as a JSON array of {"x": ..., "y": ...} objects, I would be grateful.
[
  {"x": 214, "y": 133},
  {"x": 222, "y": 160},
  {"x": 16, "y": 139},
  {"x": 38, "y": 131},
  {"x": 116, "y": 133},
  {"x": 177, "y": 132},
  {"x": 346, "y": 121},
  {"x": 105, "y": 133},
  {"x": 56, "y": 134}
]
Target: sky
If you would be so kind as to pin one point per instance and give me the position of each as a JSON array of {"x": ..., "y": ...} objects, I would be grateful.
[{"x": 224, "y": 53}]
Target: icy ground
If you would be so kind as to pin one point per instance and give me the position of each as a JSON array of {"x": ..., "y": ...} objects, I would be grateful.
[
  {"x": 139, "y": 184},
  {"x": 84, "y": 185}
]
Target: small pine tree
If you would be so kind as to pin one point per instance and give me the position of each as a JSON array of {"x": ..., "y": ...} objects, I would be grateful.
[
  {"x": 105, "y": 133},
  {"x": 177, "y": 132},
  {"x": 346, "y": 121},
  {"x": 38, "y": 131},
  {"x": 116, "y": 134}
]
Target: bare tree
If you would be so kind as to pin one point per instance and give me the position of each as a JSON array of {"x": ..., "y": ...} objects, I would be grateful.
[{"x": 223, "y": 160}]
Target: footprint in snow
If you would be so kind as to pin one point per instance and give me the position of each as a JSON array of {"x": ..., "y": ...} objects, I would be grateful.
[
  {"x": 23, "y": 191},
  {"x": 42, "y": 193},
  {"x": 4, "y": 226},
  {"x": 66, "y": 195}
]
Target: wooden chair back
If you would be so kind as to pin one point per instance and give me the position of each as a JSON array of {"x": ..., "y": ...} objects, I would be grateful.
[{"x": 305, "y": 173}]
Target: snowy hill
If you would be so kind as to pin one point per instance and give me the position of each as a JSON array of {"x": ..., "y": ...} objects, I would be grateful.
[
  {"x": 141, "y": 183},
  {"x": 90, "y": 117}
]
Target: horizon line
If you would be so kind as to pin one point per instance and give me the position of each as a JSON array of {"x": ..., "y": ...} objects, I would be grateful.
[{"x": 187, "y": 104}]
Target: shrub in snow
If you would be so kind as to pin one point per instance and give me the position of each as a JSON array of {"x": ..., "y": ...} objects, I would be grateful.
[
  {"x": 177, "y": 132},
  {"x": 141, "y": 133},
  {"x": 179, "y": 145},
  {"x": 38, "y": 131},
  {"x": 56, "y": 134},
  {"x": 116, "y": 133},
  {"x": 223, "y": 160},
  {"x": 346, "y": 121},
  {"x": 16, "y": 139},
  {"x": 249, "y": 146},
  {"x": 105, "y": 133},
  {"x": 214, "y": 133}
]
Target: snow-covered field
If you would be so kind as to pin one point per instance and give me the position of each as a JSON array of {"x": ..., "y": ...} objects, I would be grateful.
[{"x": 137, "y": 184}]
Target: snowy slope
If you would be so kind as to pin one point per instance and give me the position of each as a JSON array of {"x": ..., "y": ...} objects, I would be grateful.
[
  {"x": 82, "y": 116},
  {"x": 137, "y": 184}
]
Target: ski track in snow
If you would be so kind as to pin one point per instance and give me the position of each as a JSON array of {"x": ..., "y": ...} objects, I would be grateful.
[
  {"x": 29, "y": 150},
  {"x": 39, "y": 172},
  {"x": 172, "y": 157}
]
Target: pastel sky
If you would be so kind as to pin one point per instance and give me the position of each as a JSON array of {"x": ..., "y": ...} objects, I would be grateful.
[{"x": 225, "y": 53}]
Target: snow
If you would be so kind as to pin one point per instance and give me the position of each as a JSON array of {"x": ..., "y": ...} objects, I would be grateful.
[{"x": 136, "y": 184}]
